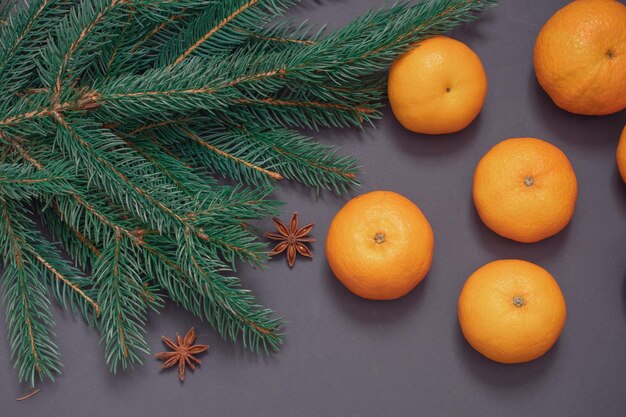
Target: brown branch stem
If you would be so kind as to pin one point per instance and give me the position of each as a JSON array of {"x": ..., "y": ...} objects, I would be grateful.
[
  {"x": 116, "y": 276},
  {"x": 27, "y": 29},
  {"x": 88, "y": 101},
  {"x": 311, "y": 162},
  {"x": 19, "y": 262},
  {"x": 211, "y": 32},
  {"x": 66, "y": 281},
  {"x": 76, "y": 44},
  {"x": 314, "y": 104},
  {"x": 201, "y": 142},
  {"x": 28, "y": 180},
  {"x": 156, "y": 125},
  {"x": 306, "y": 42},
  {"x": 156, "y": 30}
]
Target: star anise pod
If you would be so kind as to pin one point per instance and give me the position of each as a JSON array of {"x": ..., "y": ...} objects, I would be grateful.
[
  {"x": 183, "y": 352},
  {"x": 292, "y": 239}
]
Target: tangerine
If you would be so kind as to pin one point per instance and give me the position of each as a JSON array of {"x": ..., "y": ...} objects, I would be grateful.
[
  {"x": 580, "y": 57},
  {"x": 525, "y": 189},
  {"x": 380, "y": 245},
  {"x": 438, "y": 87},
  {"x": 511, "y": 311}
]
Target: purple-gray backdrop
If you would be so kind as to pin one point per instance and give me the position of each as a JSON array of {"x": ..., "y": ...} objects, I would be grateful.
[{"x": 346, "y": 356}]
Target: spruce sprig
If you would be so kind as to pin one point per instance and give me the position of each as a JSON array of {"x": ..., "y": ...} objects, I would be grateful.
[{"x": 118, "y": 116}]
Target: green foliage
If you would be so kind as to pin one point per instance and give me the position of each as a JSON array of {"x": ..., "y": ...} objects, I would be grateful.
[
  {"x": 29, "y": 321},
  {"x": 117, "y": 119}
]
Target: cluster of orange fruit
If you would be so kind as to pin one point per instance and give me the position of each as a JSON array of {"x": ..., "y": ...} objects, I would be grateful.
[{"x": 380, "y": 244}]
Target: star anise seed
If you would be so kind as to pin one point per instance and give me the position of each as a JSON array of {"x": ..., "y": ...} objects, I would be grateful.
[
  {"x": 292, "y": 239},
  {"x": 183, "y": 353}
]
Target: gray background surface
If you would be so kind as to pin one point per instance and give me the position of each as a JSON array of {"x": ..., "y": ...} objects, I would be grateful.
[{"x": 346, "y": 356}]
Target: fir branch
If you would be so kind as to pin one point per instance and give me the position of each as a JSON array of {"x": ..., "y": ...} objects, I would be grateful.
[
  {"x": 230, "y": 309},
  {"x": 232, "y": 314},
  {"x": 213, "y": 30},
  {"x": 135, "y": 187},
  {"x": 16, "y": 34},
  {"x": 93, "y": 147},
  {"x": 123, "y": 308},
  {"x": 308, "y": 113},
  {"x": 169, "y": 168},
  {"x": 109, "y": 56},
  {"x": 26, "y": 110},
  {"x": 157, "y": 28},
  {"x": 27, "y": 30},
  {"x": 245, "y": 14},
  {"x": 281, "y": 39},
  {"x": 63, "y": 278},
  {"x": 6, "y": 9},
  {"x": 214, "y": 208},
  {"x": 298, "y": 157},
  {"x": 281, "y": 35},
  {"x": 79, "y": 211},
  {"x": 242, "y": 316},
  {"x": 268, "y": 147},
  {"x": 152, "y": 126},
  {"x": 32, "y": 14},
  {"x": 70, "y": 287},
  {"x": 29, "y": 321},
  {"x": 150, "y": 29},
  {"x": 21, "y": 182},
  {"x": 119, "y": 125},
  {"x": 80, "y": 248},
  {"x": 230, "y": 157},
  {"x": 81, "y": 24}
]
